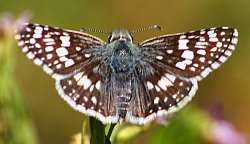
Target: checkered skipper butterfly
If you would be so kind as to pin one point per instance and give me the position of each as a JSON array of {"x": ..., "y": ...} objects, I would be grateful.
[{"x": 120, "y": 80}]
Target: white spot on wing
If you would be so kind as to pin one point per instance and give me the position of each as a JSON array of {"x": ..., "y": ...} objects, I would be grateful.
[
  {"x": 37, "y": 45},
  {"x": 85, "y": 82},
  {"x": 150, "y": 85},
  {"x": 210, "y": 32},
  {"x": 180, "y": 65},
  {"x": 65, "y": 41},
  {"x": 219, "y": 44},
  {"x": 49, "y": 56},
  {"x": 222, "y": 59},
  {"x": 20, "y": 43},
  {"x": 87, "y": 55},
  {"x": 213, "y": 39},
  {"x": 202, "y": 32},
  {"x": 170, "y": 77},
  {"x": 61, "y": 51},
  {"x": 97, "y": 85},
  {"x": 48, "y": 39},
  {"x": 169, "y": 51},
  {"x": 165, "y": 99},
  {"x": 201, "y": 52},
  {"x": 58, "y": 66},
  {"x": 157, "y": 88},
  {"x": 156, "y": 100},
  {"x": 78, "y": 76},
  {"x": 192, "y": 68},
  {"x": 202, "y": 59},
  {"x": 36, "y": 35},
  {"x": 32, "y": 41},
  {"x": 49, "y": 48},
  {"x": 187, "y": 54},
  {"x": 212, "y": 35},
  {"x": 38, "y": 62},
  {"x": 25, "y": 49},
  {"x": 38, "y": 29},
  {"x": 85, "y": 98},
  {"x": 213, "y": 49},
  {"x": 163, "y": 82},
  {"x": 91, "y": 88},
  {"x": 159, "y": 57},
  {"x": 30, "y": 55},
  {"x": 94, "y": 100},
  {"x": 78, "y": 48},
  {"x": 69, "y": 63},
  {"x": 183, "y": 44},
  {"x": 62, "y": 59}
]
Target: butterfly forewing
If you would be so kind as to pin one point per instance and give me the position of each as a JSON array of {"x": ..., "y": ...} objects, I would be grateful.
[
  {"x": 193, "y": 54},
  {"x": 60, "y": 52}
]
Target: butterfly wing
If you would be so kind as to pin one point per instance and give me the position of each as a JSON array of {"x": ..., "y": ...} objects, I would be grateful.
[
  {"x": 171, "y": 66},
  {"x": 73, "y": 58},
  {"x": 194, "y": 54},
  {"x": 60, "y": 52}
]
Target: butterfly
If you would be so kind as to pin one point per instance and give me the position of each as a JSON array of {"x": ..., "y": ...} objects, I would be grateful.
[{"x": 122, "y": 81}]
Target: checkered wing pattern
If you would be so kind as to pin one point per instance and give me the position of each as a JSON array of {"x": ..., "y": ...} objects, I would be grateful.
[
  {"x": 61, "y": 53},
  {"x": 177, "y": 62},
  {"x": 119, "y": 80}
]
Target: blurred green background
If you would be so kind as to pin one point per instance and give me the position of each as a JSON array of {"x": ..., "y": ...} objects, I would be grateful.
[{"x": 56, "y": 122}]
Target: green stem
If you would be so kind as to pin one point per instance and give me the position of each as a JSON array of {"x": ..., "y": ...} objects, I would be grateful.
[
  {"x": 112, "y": 126},
  {"x": 97, "y": 130}
]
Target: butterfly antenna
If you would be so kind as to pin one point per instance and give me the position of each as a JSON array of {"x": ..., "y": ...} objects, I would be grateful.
[
  {"x": 93, "y": 30},
  {"x": 147, "y": 28}
]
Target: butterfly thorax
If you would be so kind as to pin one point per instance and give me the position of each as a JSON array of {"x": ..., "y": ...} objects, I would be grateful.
[{"x": 121, "y": 60}]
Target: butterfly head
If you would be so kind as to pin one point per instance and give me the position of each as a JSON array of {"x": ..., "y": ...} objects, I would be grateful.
[
  {"x": 121, "y": 59},
  {"x": 120, "y": 34}
]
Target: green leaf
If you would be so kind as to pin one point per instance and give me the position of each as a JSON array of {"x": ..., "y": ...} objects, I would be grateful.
[{"x": 186, "y": 127}]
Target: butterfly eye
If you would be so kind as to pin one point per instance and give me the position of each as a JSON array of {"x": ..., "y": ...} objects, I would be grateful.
[{"x": 120, "y": 34}]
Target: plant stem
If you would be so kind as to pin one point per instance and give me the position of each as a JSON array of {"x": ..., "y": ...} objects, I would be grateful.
[{"x": 97, "y": 130}]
